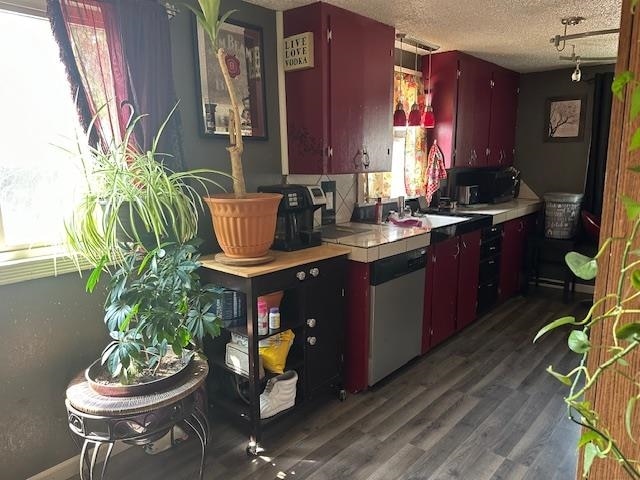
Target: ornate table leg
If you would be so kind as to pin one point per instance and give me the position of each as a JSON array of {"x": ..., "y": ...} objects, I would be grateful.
[
  {"x": 202, "y": 432},
  {"x": 84, "y": 460}
]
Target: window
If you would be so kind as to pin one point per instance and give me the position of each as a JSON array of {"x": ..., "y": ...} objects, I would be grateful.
[{"x": 39, "y": 180}]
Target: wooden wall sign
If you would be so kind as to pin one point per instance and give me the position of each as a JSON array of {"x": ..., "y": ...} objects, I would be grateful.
[{"x": 298, "y": 52}]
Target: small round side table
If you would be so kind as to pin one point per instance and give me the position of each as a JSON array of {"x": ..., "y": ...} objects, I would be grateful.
[{"x": 138, "y": 420}]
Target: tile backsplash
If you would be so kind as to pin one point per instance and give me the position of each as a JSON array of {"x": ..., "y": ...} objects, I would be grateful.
[{"x": 345, "y": 193}]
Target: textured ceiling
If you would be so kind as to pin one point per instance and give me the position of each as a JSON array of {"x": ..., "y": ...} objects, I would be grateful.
[{"x": 511, "y": 33}]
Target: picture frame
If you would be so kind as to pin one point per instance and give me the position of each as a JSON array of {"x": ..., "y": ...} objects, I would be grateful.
[
  {"x": 564, "y": 119},
  {"x": 244, "y": 46}
]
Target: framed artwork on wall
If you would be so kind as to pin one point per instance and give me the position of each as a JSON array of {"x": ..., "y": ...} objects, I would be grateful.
[
  {"x": 564, "y": 119},
  {"x": 244, "y": 56}
]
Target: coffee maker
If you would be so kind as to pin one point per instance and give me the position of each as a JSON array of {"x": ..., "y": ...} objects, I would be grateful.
[{"x": 294, "y": 227}]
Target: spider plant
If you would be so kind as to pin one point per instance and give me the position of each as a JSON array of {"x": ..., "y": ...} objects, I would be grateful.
[{"x": 132, "y": 199}]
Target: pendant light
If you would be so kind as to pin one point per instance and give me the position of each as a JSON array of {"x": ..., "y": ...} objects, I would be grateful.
[
  {"x": 414, "y": 115},
  {"x": 428, "y": 118},
  {"x": 399, "y": 116}
]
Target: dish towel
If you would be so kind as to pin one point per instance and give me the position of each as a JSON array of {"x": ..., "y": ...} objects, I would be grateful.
[{"x": 435, "y": 170}]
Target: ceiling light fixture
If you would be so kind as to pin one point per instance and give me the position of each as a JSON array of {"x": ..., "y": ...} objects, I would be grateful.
[
  {"x": 428, "y": 118},
  {"x": 414, "y": 115},
  {"x": 399, "y": 116},
  {"x": 577, "y": 74}
]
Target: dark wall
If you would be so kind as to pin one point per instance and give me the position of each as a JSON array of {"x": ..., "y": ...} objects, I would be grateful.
[
  {"x": 51, "y": 329},
  {"x": 548, "y": 167}
]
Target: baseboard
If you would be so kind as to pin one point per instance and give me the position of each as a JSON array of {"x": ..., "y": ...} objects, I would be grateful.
[
  {"x": 558, "y": 284},
  {"x": 71, "y": 467}
]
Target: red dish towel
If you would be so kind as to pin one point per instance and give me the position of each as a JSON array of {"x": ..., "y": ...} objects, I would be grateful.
[{"x": 435, "y": 170}]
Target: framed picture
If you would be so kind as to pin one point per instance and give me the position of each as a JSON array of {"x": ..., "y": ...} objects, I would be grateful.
[
  {"x": 244, "y": 49},
  {"x": 564, "y": 119}
]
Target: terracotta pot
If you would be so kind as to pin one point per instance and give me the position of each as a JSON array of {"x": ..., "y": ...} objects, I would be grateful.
[{"x": 244, "y": 226}]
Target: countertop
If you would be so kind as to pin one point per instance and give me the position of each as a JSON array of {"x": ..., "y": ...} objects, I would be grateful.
[
  {"x": 371, "y": 242},
  {"x": 283, "y": 260}
]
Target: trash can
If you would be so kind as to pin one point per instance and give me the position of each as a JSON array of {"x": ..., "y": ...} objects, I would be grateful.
[{"x": 562, "y": 214}]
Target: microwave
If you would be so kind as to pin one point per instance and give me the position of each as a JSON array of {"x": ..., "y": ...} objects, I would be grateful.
[{"x": 496, "y": 186}]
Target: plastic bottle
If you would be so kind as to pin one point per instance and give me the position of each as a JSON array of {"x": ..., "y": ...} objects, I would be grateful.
[
  {"x": 274, "y": 318},
  {"x": 263, "y": 317},
  {"x": 378, "y": 210}
]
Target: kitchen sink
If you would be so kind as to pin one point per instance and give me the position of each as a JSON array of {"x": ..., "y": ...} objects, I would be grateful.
[{"x": 436, "y": 221}]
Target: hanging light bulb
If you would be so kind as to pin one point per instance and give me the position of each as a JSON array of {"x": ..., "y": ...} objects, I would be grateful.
[
  {"x": 414, "y": 114},
  {"x": 399, "y": 116},
  {"x": 577, "y": 74},
  {"x": 428, "y": 118}
]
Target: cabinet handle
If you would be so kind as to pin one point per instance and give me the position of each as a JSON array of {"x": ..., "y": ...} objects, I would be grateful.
[
  {"x": 491, "y": 249},
  {"x": 314, "y": 272},
  {"x": 464, "y": 244},
  {"x": 311, "y": 340},
  {"x": 301, "y": 275},
  {"x": 520, "y": 226},
  {"x": 311, "y": 322},
  {"x": 365, "y": 157},
  {"x": 491, "y": 262},
  {"x": 457, "y": 252}
]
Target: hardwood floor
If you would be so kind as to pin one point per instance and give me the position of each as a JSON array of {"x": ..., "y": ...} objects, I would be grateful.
[{"x": 481, "y": 406}]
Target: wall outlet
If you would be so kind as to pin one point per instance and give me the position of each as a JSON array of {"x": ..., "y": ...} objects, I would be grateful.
[{"x": 329, "y": 210}]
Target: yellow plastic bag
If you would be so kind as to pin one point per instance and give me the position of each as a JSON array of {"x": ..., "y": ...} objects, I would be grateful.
[{"x": 274, "y": 351}]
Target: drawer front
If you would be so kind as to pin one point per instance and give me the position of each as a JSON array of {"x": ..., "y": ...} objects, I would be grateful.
[
  {"x": 490, "y": 233},
  {"x": 487, "y": 296},
  {"x": 489, "y": 270},
  {"x": 490, "y": 248},
  {"x": 302, "y": 275}
]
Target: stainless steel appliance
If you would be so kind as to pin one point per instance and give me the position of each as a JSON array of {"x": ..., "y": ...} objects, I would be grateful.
[
  {"x": 294, "y": 225},
  {"x": 468, "y": 194},
  {"x": 397, "y": 302}
]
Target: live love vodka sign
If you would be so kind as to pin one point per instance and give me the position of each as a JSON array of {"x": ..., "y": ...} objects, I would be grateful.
[{"x": 298, "y": 52}]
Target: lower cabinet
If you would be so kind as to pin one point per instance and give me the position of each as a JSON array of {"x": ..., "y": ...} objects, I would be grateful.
[
  {"x": 451, "y": 288},
  {"x": 514, "y": 242},
  {"x": 468, "y": 275}
]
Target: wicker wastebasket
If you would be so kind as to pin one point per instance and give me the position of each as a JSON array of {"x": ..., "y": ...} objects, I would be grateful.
[{"x": 562, "y": 214}]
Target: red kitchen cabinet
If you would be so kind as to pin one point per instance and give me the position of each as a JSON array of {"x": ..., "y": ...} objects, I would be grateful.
[
  {"x": 514, "y": 241},
  {"x": 428, "y": 302},
  {"x": 444, "y": 295},
  {"x": 504, "y": 108},
  {"x": 468, "y": 273},
  {"x": 356, "y": 361},
  {"x": 339, "y": 112},
  {"x": 462, "y": 97}
]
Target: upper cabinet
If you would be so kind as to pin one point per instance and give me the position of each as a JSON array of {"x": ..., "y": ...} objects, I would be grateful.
[
  {"x": 475, "y": 103},
  {"x": 339, "y": 113}
]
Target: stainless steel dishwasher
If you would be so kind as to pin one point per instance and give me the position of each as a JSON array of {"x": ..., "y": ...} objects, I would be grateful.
[{"x": 397, "y": 303}]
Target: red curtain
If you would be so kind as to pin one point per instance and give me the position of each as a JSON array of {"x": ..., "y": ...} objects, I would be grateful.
[{"x": 89, "y": 29}]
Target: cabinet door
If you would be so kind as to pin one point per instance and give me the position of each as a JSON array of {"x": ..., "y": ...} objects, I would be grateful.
[
  {"x": 504, "y": 106},
  {"x": 307, "y": 95},
  {"x": 323, "y": 315},
  {"x": 347, "y": 94},
  {"x": 356, "y": 352},
  {"x": 473, "y": 111},
  {"x": 428, "y": 301},
  {"x": 511, "y": 261},
  {"x": 443, "y": 306},
  {"x": 377, "y": 86},
  {"x": 468, "y": 278},
  {"x": 444, "y": 89}
]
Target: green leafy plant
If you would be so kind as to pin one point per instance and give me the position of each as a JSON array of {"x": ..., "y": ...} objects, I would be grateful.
[
  {"x": 616, "y": 307},
  {"x": 138, "y": 221},
  {"x": 156, "y": 304}
]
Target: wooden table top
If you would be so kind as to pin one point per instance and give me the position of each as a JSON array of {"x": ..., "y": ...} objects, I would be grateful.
[
  {"x": 283, "y": 260},
  {"x": 83, "y": 398}
]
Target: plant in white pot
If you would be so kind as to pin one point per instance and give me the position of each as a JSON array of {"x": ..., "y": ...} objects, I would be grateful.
[
  {"x": 244, "y": 223},
  {"x": 138, "y": 221}
]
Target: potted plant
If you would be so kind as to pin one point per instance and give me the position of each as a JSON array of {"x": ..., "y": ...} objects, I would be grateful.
[
  {"x": 138, "y": 221},
  {"x": 244, "y": 223}
]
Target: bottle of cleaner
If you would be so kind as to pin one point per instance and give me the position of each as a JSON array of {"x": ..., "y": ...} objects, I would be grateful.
[{"x": 263, "y": 317}]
